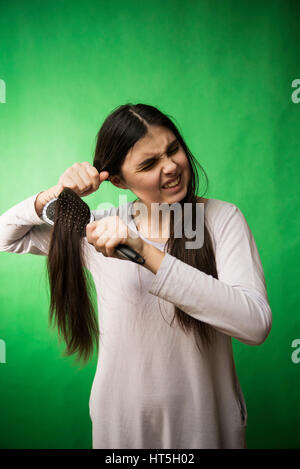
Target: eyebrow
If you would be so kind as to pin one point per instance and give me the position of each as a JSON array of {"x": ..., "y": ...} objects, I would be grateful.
[{"x": 152, "y": 157}]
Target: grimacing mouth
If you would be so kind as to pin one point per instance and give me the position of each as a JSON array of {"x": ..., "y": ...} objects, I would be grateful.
[{"x": 173, "y": 180}]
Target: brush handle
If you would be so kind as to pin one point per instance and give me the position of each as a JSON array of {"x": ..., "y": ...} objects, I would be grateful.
[{"x": 130, "y": 254}]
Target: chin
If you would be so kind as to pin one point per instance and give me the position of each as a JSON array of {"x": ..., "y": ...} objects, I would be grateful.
[{"x": 173, "y": 198}]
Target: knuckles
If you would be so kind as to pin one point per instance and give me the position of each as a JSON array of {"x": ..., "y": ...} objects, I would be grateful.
[{"x": 113, "y": 224}]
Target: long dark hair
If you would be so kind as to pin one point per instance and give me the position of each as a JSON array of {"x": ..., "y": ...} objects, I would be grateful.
[{"x": 71, "y": 307}]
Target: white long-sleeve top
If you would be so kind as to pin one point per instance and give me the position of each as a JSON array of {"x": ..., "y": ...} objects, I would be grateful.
[{"x": 152, "y": 387}]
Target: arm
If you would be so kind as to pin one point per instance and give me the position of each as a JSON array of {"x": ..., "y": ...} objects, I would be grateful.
[
  {"x": 23, "y": 231},
  {"x": 236, "y": 303},
  {"x": 153, "y": 257}
]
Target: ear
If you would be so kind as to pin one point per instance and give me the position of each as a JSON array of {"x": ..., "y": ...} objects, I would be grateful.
[{"x": 116, "y": 181}]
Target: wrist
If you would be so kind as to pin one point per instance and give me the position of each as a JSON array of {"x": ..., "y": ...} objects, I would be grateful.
[
  {"x": 153, "y": 257},
  {"x": 144, "y": 249},
  {"x": 43, "y": 197}
]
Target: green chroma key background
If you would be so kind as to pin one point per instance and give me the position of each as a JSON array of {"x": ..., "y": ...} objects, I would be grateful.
[{"x": 224, "y": 70}]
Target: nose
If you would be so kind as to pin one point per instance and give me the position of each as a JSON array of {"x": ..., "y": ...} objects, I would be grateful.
[{"x": 169, "y": 166}]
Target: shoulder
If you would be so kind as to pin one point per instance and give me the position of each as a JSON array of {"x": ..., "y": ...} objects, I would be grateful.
[
  {"x": 217, "y": 209},
  {"x": 221, "y": 216}
]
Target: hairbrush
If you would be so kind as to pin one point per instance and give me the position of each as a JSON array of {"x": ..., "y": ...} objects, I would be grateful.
[{"x": 78, "y": 216}]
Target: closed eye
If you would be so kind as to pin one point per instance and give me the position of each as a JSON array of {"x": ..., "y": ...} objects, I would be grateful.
[{"x": 171, "y": 152}]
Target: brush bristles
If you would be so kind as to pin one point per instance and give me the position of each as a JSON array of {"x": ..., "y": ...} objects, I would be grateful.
[{"x": 76, "y": 213}]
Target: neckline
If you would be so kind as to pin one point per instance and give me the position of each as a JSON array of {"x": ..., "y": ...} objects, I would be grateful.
[{"x": 132, "y": 222}]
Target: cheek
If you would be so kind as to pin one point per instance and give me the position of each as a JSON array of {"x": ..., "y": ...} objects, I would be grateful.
[
  {"x": 182, "y": 161},
  {"x": 152, "y": 181},
  {"x": 148, "y": 182}
]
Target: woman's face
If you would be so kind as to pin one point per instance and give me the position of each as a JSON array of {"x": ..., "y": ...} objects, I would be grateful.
[{"x": 151, "y": 163}]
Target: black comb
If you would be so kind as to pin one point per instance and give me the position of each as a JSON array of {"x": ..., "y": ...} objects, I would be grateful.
[{"x": 79, "y": 215}]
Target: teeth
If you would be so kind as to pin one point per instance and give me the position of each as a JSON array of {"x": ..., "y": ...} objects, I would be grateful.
[{"x": 172, "y": 184}]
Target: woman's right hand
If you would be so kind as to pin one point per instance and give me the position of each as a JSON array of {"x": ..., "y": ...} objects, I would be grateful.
[{"x": 82, "y": 178}]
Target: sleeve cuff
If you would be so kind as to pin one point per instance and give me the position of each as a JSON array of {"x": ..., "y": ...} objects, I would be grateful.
[{"x": 31, "y": 204}]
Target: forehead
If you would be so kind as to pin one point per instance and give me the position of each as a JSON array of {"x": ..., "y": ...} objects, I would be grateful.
[{"x": 154, "y": 142}]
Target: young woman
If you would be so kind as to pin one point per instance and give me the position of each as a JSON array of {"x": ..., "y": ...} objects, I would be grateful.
[{"x": 160, "y": 382}]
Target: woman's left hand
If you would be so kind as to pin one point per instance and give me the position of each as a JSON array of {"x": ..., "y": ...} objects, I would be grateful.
[{"x": 107, "y": 233}]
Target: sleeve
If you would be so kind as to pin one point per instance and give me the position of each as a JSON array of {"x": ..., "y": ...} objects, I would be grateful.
[
  {"x": 236, "y": 303},
  {"x": 22, "y": 231}
]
